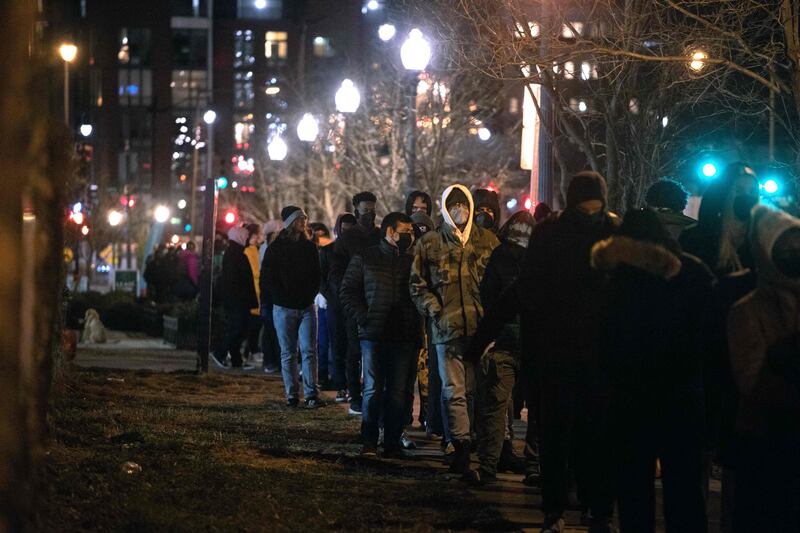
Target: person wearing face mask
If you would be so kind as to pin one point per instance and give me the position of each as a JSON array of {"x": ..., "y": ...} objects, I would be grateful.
[
  {"x": 291, "y": 279},
  {"x": 498, "y": 368},
  {"x": 487, "y": 209},
  {"x": 764, "y": 341},
  {"x": 419, "y": 202},
  {"x": 720, "y": 240},
  {"x": 337, "y": 332},
  {"x": 559, "y": 297},
  {"x": 356, "y": 239},
  {"x": 449, "y": 264},
  {"x": 375, "y": 292},
  {"x": 238, "y": 297}
]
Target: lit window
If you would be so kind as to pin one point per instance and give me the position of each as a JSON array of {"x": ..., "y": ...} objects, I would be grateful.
[
  {"x": 276, "y": 47},
  {"x": 567, "y": 30},
  {"x": 189, "y": 89},
  {"x": 243, "y": 49},
  {"x": 513, "y": 105},
  {"x": 243, "y": 130},
  {"x": 569, "y": 70},
  {"x": 322, "y": 47},
  {"x": 586, "y": 71},
  {"x": 633, "y": 106},
  {"x": 243, "y": 90}
]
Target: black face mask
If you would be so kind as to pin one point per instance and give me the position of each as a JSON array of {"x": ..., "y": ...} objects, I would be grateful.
[
  {"x": 404, "y": 242},
  {"x": 367, "y": 219},
  {"x": 742, "y": 205},
  {"x": 484, "y": 220},
  {"x": 789, "y": 265},
  {"x": 589, "y": 219}
]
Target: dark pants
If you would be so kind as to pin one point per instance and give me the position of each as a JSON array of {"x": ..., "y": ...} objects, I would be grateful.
[
  {"x": 496, "y": 375},
  {"x": 236, "y": 322},
  {"x": 337, "y": 336},
  {"x": 323, "y": 346},
  {"x": 669, "y": 425},
  {"x": 386, "y": 369},
  {"x": 435, "y": 412},
  {"x": 269, "y": 339},
  {"x": 254, "y": 323},
  {"x": 573, "y": 428},
  {"x": 353, "y": 362},
  {"x": 767, "y": 485}
]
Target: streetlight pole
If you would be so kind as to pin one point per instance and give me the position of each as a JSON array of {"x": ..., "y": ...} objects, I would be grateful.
[
  {"x": 68, "y": 52},
  {"x": 415, "y": 55}
]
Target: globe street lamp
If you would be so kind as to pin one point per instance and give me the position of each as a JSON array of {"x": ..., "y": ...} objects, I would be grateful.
[
  {"x": 277, "y": 149},
  {"x": 698, "y": 62},
  {"x": 415, "y": 55},
  {"x": 347, "y": 97},
  {"x": 386, "y": 32},
  {"x": 114, "y": 218},
  {"x": 86, "y": 129},
  {"x": 68, "y": 52},
  {"x": 161, "y": 214},
  {"x": 307, "y": 128}
]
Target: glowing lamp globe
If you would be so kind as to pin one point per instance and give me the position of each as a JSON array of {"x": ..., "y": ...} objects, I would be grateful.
[
  {"x": 415, "y": 52},
  {"x": 347, "y": 97}
]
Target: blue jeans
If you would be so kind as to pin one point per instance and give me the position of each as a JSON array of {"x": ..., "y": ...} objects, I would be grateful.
[
  {"x": 387, "y": 366},
  {"x": 295, "y": 326},
  {"x": 323, "y": 345},
  {"x": 458, "y": 388}
]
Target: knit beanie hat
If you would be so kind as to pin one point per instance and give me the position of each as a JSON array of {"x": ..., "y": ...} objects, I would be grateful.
[
  {"x": 456, "y": 196},
  {"x": 586, "y": 185},
  {"x": 421, "y": 219},
  {"x": 487, "y": 198},
  {"x": 239, "y": 235},
  {"x": 290, "y": 213}
]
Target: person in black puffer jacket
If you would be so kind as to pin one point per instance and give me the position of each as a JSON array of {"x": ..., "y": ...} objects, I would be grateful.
[
  {"x": 500, "y": 366},
  {"x": 290, "y": 280},
  {"x": 238, "y": 297},
  {"x": 653, "y": 346},
  {"x": 375, "y": 292}
]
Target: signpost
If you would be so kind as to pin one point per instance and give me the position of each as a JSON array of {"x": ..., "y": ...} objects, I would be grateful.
[{"x": 127, "y": 280}]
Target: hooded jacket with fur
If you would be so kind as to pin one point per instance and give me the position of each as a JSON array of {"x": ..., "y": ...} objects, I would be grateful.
[
  {"x": 657, "y": 307},
  {"x": 763, "y": 327},
  {"x": 448, "y": 266}
]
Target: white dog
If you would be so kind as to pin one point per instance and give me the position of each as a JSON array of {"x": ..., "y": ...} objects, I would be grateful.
[{"x": 93, "y": 329}]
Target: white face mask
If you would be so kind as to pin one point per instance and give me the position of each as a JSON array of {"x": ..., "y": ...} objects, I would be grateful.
[{"x": 459, "y": 214}]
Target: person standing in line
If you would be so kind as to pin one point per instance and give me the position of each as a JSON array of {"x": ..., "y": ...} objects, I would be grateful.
[
  {"x": 238, "y": 296},
  {"x": 253, "y": 344},
  {"x": 449, "y": 264},
  {"x": 291, "y": 282},
  {"x": 419, "y": 202},
  {"x": 487, "y": 209},
  {"x": 375, "y": 291},
  {"x": 764, "y": 341},
  {"x": 361, "y": 236},
  {"x": 669, "y": 198},
  {"x": 337, "y": 332}
]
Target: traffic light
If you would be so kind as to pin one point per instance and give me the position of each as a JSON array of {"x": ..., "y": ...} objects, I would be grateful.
[{"x": 230, "y": 217}]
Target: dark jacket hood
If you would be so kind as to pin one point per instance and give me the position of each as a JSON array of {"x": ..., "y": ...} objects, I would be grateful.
[
  {"x": 419, "y": 194},
  {"x": 654, "y": 259}
]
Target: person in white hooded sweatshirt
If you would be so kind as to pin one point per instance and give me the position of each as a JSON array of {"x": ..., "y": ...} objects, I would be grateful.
[{"x": 449, "y": 264}]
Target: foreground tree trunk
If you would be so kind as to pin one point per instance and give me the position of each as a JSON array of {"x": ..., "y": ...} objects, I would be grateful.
[{"x": 34, "y": 164}]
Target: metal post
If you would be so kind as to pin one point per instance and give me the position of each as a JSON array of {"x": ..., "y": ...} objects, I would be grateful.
[
  {"x": 66, "y": 93},
  {"x": 206, "y": 277},
  {"x": 411, "y": 132},
  {"x": 771, "y": 125}
]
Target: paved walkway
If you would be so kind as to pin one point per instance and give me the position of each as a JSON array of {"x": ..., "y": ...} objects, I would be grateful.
[{"x": 517, "y": 503}]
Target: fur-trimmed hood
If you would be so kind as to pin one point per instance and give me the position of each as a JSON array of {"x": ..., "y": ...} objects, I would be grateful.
[{"x": 652, "y": 258}]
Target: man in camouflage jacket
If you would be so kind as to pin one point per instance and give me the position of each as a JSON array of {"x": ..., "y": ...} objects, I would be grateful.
[{"x": 445, "y": 286}]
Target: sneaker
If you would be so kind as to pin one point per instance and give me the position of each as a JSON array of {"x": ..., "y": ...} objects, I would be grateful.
[
  {"x": 271, "y": 369},
  {"x": 553, "y": 525},
  {"x": 313, "y": 403},
  {"x": 354, "y": 410},
  {"x": 369, "y": 450},
  {"x": 341, "y": 396},
  {"x": 219, "y": 363},
  {"x": 244, "y": 366},
  {"x": 406, "y": 442},
  {"x": 478, "y": 478},
  {"x": 292, "y": 402}
]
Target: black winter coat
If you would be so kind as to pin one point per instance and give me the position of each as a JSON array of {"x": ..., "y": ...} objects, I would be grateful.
[
  {"x": 375, "y": 291},
  {"x": 290, "y": 273},
  {"x": 351, "y": 242},
  {"x": 658, "y": 308},
  {"x": 325, "y": 260},
  {"x": 238, "y": 290},
  {"x": 501, "y": 272}
]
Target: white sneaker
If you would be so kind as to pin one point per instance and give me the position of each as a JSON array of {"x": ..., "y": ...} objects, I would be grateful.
[
  {"x": 218, "y": 363},
  {"x": 406, "y": 442}
]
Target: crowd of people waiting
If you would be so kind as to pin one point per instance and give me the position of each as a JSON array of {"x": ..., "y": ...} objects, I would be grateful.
[{"x": 636, "y": 342}]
